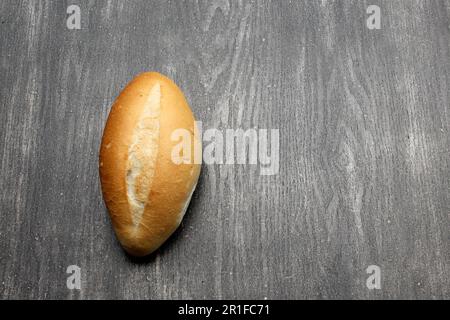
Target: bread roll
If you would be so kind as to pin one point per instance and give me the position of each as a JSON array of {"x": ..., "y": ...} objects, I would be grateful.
[{"x": 145, "y": 191}]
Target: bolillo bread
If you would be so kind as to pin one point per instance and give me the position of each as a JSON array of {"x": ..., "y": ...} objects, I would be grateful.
[{"x": 145, "y": 191}]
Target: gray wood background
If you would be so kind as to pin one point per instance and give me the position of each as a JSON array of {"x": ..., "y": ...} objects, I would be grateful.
[{"x": 364, "y": 157}]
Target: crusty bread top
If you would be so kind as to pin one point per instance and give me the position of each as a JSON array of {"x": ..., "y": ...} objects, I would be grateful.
[{"x": 145, "y": 191}]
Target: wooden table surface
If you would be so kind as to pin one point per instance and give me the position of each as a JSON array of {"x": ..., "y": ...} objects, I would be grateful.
[{"x": 363, "y": 117}]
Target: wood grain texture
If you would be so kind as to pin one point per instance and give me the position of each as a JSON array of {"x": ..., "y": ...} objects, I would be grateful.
[{"x": 364, "y": 158}]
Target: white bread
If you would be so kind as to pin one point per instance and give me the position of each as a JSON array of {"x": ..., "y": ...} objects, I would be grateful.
[{"x": 146, "y": 193}]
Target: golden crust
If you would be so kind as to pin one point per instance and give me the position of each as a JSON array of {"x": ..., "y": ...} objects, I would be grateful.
[{"x": 172, "y": 183}]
